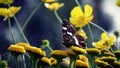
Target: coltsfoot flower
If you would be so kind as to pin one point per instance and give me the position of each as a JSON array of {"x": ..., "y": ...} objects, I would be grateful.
[
  {"x": 6, "y": 1},
  {"x": 9, "y": 12},
  {"x": 117, "y": 54},
  {"x": 82, "y": 33},
  {"x": 108, "y": 59},
  {"x": 44, "y": 61},
  {"x": 53, "y": 61},
  {"x": 58, "y": 54},
  {"x": 36, "y": 51},
  {"x": 17, "y": 49},
  {"x": 101, "y": 63},
  {"x": 81, "y": 64},
  {"x": 108, "y": 54},
  {"x": 25, "y": 45},
  {"x": 93, "y": 51},
  {"x": 54, "y": 6},
  {"x": 79, "y": 18},
  {"x": 78, "y": 50},
  {"x": 116, "y": 64},
  {"x": 48, "y": 1}
]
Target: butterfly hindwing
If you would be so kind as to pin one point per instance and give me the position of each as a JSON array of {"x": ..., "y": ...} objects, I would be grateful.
[{"x": 69, "y": 37}]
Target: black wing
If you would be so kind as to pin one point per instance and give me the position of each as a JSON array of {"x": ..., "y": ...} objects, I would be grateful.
[{"x": 69, "y": 37}]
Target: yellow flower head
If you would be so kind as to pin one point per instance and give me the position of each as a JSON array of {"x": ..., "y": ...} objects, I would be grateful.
[
  {"x": 108, "y": 59},
  {"x": 47, "y": 1},
  {"x": 78, "y": 50},
  {"x": 17, "y": 49},
  {"x": 81, "y": 64},
  {"x": 25, "y": 45},
  {"x": 53, "y": 61},
  {"x": 54, "y": 6},
  {"x": 71, "y": 53},
  {"x": 108, "y": 54},
  {"x": 82, "y": 33},
  {"x": 101, "y": 63},
  {"x": 83, "y": 58},
  {"x": 106, "y": 41},
  {"x": 93, "y": 51},
  {"x": 9, "y": 12},
  {"x": 117, "y": 54},
  {"x": 6, "y": 1},
  {"x": 59, "y": 54},
  {"x": 116, "y": 64},
  {"x": 118, "y": 3},
  {"x": 79, "y": 18},
  {"x": 36, "y": 51},
  {"x": 45, "y": 61}
]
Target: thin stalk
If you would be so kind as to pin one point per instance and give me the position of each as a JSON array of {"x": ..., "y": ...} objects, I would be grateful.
[
  {"x": 71, "y": 59},
  {"x": 10, "y": 27},
  {"x": 16, "y": 61},
  {"x": 58, "y": 63},
  {"x": 90, "y": 31},
  {"x": 50, "y": 48},
  {"x": 74, "y": 65},
  {"x": 57, "y": 16},
  {"x": 98, "y": 27},
  {"x": 20, "y": 29},
  {"x": 78, "y": 3},
  {"x": 23, "y": 59},
  {"x": 31, "y": 15}
]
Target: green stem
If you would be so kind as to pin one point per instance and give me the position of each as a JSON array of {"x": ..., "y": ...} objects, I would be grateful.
[
  {"x": 71, "y": 59},
  {"x": 90, "y": 31},
  {"x": 78, "y": 3},
  {"x": 31, "y": 15},
  {"x": 50, "y": 48},
  {"x": 57, "y": 16},
  {"x": 20, "y": 29},
  {"x": 98, "y": 27},
  {"x": 16, "y": 61},
  {"x": 74, "y": 65},
  {"x": 58, "y": 63},
  {"x": 10, "y": 27},
  {"x": 23, "y": 59}
]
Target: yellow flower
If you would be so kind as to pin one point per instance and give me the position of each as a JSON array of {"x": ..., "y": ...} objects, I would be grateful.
[
  {"x": 6, "y": 1},
  {"x": 83, "y": 58},
  {"x": 106, "y": 41},
  {"x": 81, "y": 64},
  {"x": 25, "y": 45},
  {"x": 53, "y": 61},
  {"x": 45, "y": 61},
  {"x": 9, "y": 12},
  {"x": 79, "y": 18},
  {"x": 78, "y": 50},
  {"x": 108, "y": 59},
  {"x": 118, "y": 3},
  {"x": 59, "y": 54},
  {"x": 17, "y": 49},
  {"x": 47, "y": 1},
  {"x": 101, "y": 63},
  {"x": 36, "y": 51},
  {"x": 108, "y": 54},
  {"x": 116, "y": 64},
  {"x": 54, "y": 6},
  {"x": 82, "y": 33},
  {"x": 93, "y": 51}
]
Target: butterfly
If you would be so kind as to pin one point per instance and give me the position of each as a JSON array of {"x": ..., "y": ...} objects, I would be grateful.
[{"x": 69, "y": 36}]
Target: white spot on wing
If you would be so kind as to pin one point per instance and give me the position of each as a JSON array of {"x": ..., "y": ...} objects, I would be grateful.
[
  {"x": 64, "y": 28},
  {"x": 76, "y": 41},
  {"x": 69, "y": 33}
]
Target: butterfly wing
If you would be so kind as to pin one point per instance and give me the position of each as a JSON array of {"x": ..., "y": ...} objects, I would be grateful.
[{"x": 69, "y": 37}]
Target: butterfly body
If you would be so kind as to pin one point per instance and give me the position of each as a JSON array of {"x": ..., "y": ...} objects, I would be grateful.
[{"x": 69, "y": 36}]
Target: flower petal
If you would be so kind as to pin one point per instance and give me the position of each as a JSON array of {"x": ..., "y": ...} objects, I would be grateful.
[
  {"x": 76, "y": 12},
  {"x": 88, "y": 10}
]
